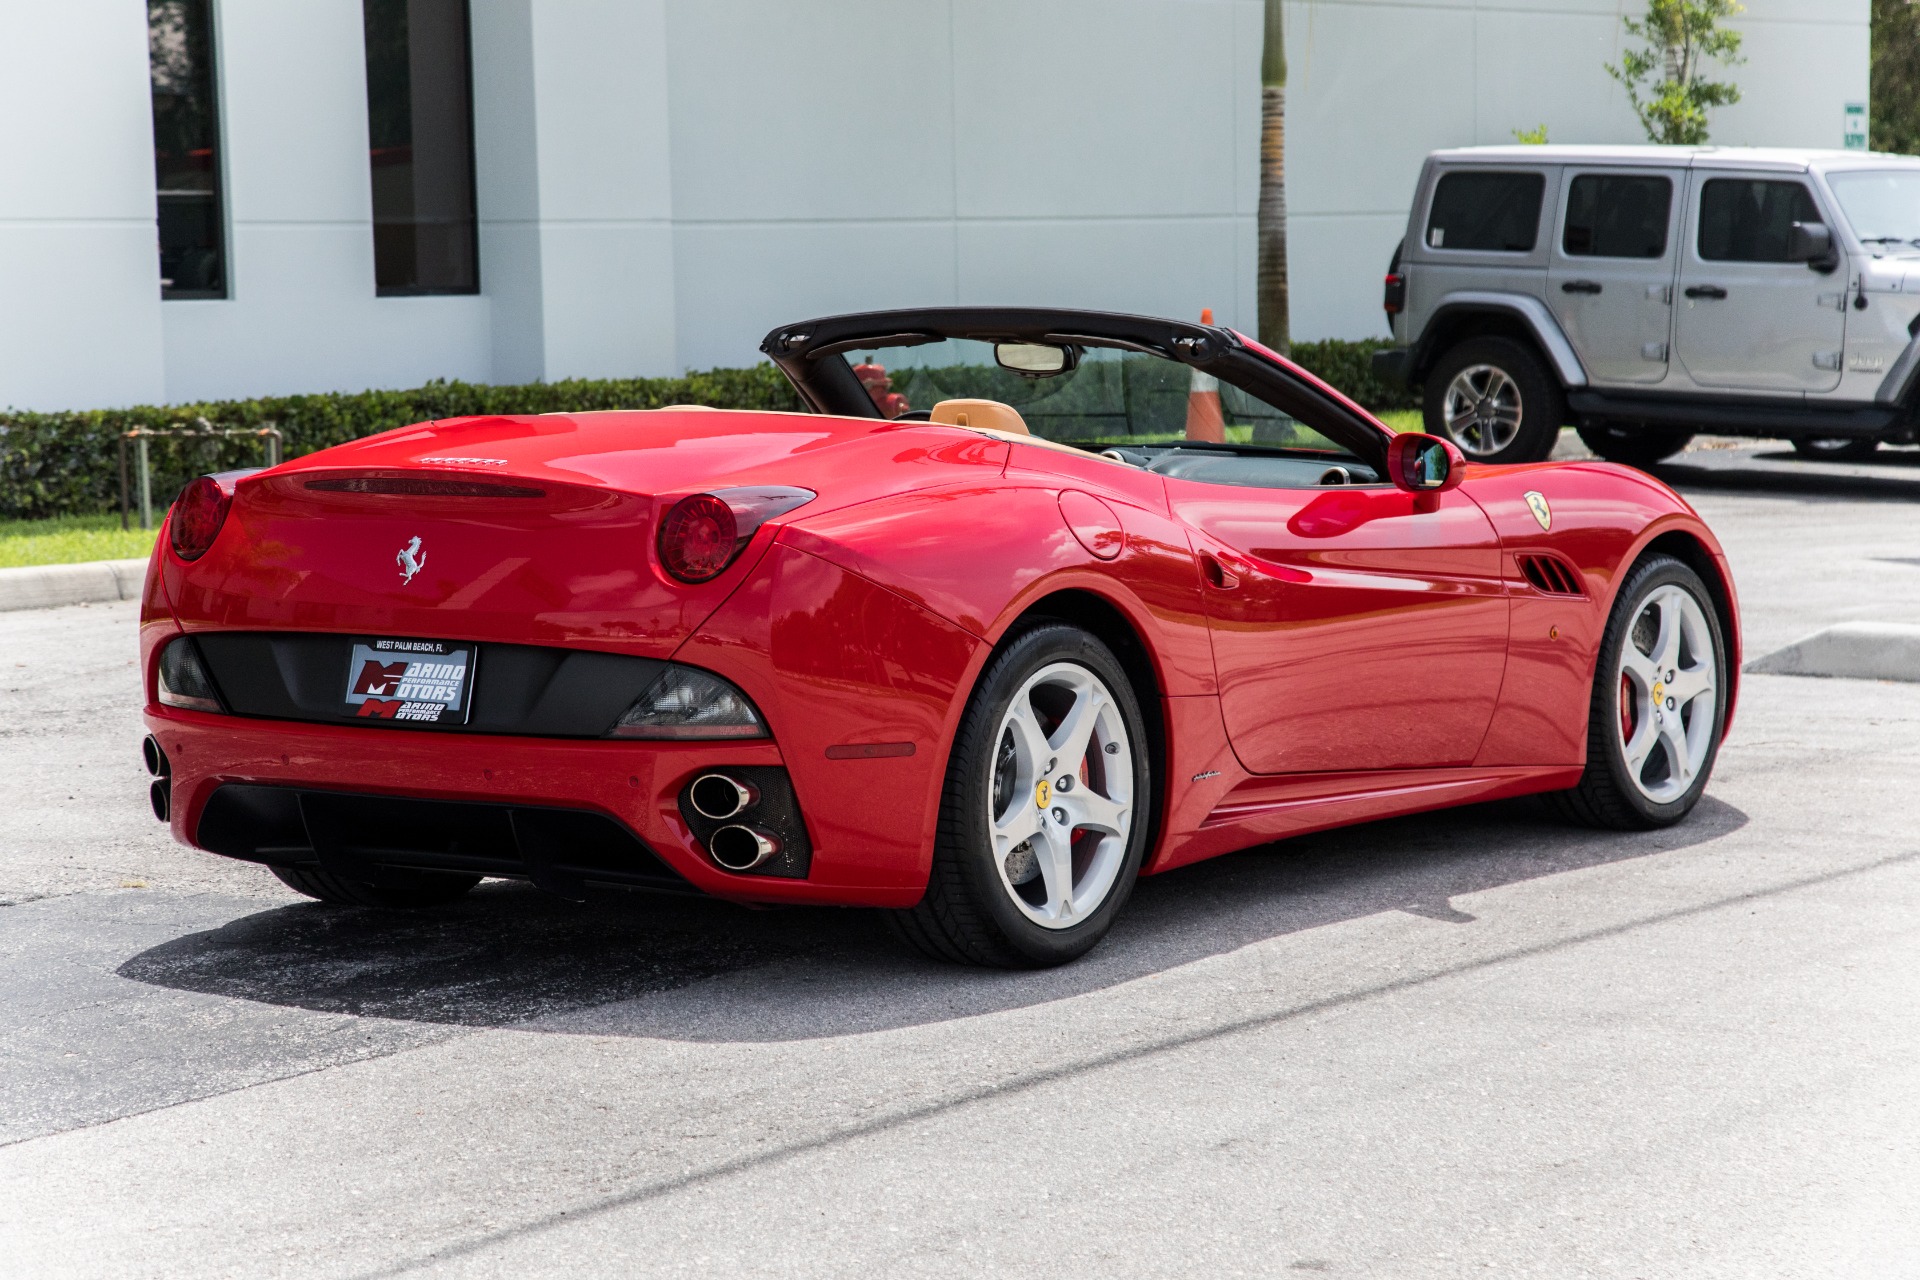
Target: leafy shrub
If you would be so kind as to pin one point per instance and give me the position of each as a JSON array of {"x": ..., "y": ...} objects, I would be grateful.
[
  {"x": 68, "y": 463},
  {"x": 1349, "y": 367}
]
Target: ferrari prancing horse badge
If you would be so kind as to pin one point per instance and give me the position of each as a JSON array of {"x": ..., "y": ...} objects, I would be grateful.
[{"x": 1537, "y": 503}]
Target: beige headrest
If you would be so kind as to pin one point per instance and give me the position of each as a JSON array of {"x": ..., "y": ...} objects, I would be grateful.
[{"x": 987, "y": 415}]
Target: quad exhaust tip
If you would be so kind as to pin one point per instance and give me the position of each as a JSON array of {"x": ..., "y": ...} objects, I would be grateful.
[
  {"x": 160, "y": 791},
  {"x": 739, "y": 848},
  {"x": 717, "y": 797}
]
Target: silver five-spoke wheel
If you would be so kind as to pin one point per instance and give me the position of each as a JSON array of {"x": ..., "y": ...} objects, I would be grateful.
[
  {"x": 1659, "y": 701},
  {"x": 1047, "y": 806},
  {"x": 1667, "y": 695},
  {"x": 1061, "y": 806},
  {"x": 1483, "y": 410}
]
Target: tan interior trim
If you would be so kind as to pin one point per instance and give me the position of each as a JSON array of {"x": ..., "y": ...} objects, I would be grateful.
[{"x": 990, "y": 415}]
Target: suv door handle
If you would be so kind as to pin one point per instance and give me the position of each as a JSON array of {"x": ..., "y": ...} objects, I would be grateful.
[
  {"x": 1580, "y": 286},
  {"x": 1705, "y": 291}
]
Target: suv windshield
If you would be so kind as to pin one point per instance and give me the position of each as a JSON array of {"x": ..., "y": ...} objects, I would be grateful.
[
  {"x": 1882, "y": 207},
  {"x": 1109, "y": 396}
]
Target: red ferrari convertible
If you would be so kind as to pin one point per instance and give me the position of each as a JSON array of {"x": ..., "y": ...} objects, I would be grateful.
[{"x": 1030, "y": 603}]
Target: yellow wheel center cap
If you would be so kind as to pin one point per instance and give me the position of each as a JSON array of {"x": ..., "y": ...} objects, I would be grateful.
[
  {"x": 1659, "y": 691},
  {"x": 1043, "y": 793}
]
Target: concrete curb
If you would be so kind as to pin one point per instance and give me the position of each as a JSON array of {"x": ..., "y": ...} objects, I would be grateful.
[
  {"x": 1852, "y": 650},
  {"x": 46, "y": 586}
]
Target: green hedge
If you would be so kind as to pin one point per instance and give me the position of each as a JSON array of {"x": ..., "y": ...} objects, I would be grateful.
[
  {"x": 55, "y": 464},
  {"x": 1349, "y": 366}
]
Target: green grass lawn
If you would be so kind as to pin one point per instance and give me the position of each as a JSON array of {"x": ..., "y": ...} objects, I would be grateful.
[
  {"x": 1402, "y": 419},
  {"x": 70, "y": 540}
]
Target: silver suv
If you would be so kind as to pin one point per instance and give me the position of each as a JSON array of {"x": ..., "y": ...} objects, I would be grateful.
[{"x": 1646, "y": 293}]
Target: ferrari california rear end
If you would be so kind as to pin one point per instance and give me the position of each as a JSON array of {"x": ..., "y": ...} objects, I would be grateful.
[{"x": 1031, "y": 604}]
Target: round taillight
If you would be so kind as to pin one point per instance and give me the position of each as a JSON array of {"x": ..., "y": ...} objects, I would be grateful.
[
  {"x": 698, "y": 538},
  {"x": 197, "y": 516}
]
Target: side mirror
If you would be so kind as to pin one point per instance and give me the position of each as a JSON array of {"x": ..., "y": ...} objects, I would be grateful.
[
  {"x": 1812, "y": 243},
  {"x": 1033, "y": 359},
  {"x": 1424, "y": 464}
]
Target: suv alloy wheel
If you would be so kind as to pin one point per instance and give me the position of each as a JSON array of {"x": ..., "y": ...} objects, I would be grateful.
[
  {"x": 1495, "y": 399},
  {"x": 1836, "y": 450}
]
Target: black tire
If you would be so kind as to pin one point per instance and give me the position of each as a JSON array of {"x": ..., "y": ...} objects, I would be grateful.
[
  {"x": 1542, "y": 407},
  {"x": 395, "y": 890},
  {"x": 1634, "y": 446},
  {"x": 1836, "y": 450},
  {"x": 1607, "y": 795},
  {"x": 968, "y": 915}
]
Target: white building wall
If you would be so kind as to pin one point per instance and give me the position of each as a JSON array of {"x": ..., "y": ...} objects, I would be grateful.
[
  {"x": 833, "y": 155},
  {"x": 1374, "y": 85},
  {"x": 79, "y": 258},
  {"x": 575, "y": 187},
  {"x": 662, "y": 181}
]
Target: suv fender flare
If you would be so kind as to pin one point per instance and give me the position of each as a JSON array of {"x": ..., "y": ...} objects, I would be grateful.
[
  {"x": 1527, "y": 309},
  {"x": 1896, "y": 389}
]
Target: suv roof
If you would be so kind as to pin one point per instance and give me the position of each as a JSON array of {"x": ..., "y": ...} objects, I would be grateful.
[{"x": 1795, "y": 158}]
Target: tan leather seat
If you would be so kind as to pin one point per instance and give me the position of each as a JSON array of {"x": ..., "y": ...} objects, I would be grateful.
[{"x": 983, "y": 415}]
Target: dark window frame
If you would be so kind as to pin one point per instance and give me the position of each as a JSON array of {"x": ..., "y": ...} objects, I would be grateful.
[
  {"x": 1534, "y": 178},
  {"x": 217, "y": 240},
  {"x": 403, "y": 237},
  {"x": 1567, "y": 228}
]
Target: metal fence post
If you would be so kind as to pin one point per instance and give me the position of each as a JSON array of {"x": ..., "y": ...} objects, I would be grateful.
[
  {"x": 123, "y": 482},
  {"x": 146, "y": 485}
]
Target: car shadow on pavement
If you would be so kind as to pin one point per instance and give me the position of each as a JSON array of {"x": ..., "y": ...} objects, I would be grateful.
[
  {"x": 1888, "y": 474},
  {"x": 510, "y": 955}
]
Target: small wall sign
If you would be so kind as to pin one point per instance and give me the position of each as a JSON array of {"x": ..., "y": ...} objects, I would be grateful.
[{"x": 1853, "y": 134}]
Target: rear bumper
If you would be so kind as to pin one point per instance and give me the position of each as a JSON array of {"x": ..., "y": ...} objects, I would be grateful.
[
  {"x": 1390, "y": 366},
  {"x": 635, "y": 784}
]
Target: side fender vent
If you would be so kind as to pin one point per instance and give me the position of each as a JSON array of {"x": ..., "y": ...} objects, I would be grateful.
[{"x": 1550, "y": 575}]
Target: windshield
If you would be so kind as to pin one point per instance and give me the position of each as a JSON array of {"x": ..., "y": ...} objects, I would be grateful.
[
  {"x": 1109, "y": 397},
  {"x": 1882, "y": 207}
]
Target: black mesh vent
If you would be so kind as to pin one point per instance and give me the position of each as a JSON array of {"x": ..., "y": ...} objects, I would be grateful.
[
  {"x": 1552, "y": 575},
  {"x": 777, "y": 813},
  {"x": 350, "y": 834}
]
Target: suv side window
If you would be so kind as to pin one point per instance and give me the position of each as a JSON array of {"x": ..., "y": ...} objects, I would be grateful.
[
  {"x": 1613, "y": 215},
  {"x": 1751, "y": 219},
  {"x": 1486, "y": 211}
]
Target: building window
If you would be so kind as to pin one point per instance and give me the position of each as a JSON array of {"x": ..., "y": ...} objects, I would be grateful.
[
  {"x": 186, "y": 149},
  {"x": 420, "y": 145}
]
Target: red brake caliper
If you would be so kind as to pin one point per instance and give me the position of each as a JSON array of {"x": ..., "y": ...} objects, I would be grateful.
[{"x": 1626, "y": 708}]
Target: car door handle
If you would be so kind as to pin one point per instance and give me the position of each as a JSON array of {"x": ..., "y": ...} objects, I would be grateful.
[
  {"x": 1705, "y": 291},
  {"x": 1580, "y": 286}
]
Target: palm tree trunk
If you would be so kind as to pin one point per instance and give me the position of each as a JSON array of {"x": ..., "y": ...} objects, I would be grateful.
[{"x": 1272, "y": 280}]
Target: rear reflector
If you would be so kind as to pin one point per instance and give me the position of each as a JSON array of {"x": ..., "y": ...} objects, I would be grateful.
[
  {"x": 690, "y": 704},
  {"x": 183, "y": 681},
  {"x": 410, "y": 488}
]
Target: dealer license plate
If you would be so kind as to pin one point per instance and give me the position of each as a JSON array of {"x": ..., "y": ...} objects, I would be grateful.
[{"x": 410, "y": 681}]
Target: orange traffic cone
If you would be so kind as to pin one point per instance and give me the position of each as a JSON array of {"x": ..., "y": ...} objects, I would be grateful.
[{"x": 1205, "y": 420}]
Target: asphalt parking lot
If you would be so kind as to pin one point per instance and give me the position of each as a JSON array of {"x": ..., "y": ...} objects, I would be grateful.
[{"x": 1475, "y": 1042}]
